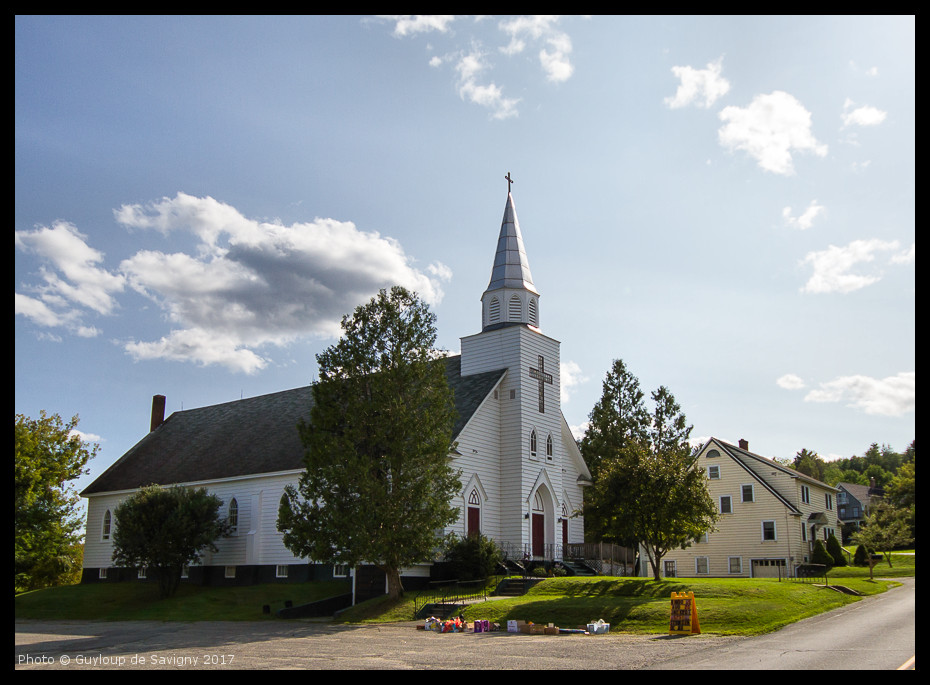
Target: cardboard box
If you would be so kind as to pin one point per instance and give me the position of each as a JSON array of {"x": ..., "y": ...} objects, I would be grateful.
[
  {"x": 598, "y": 628},
  {"x": 532, "y": 629},
  {"x": 514, "y": 626},
  {"x": 551, "y": 630}
]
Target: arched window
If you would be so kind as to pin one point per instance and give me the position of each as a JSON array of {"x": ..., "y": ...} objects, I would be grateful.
[
  {"x": 515, "y": 309},
  {"x": 549, "y": 446},
  {"x": 533, "y": 443},
  {"x": 233, "y": 517},
  {"x": 534, "y": 319},
  {"x": 107, "y": 520},
  {"x": 494, "y": 310},
  {"x": 474, "y": 513}
]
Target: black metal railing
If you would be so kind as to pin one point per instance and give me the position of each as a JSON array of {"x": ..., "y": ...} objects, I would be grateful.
[{"x": 450, "y": 592}]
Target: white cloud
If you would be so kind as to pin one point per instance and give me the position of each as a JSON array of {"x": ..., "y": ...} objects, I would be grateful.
[
  {"x": 806, "y": 220},
  {"x": 906, "y": 257},
  {"x": 769, "y": 130},
  {"x": 73, "y": 281},
  {"x": 554, "y": 58},
  {"x": 490, "y": 95},
  {"x": 570, "y": 376},
  {"x": 700, "y": 86},
  {"x": 790, "y": 381},
  {"x": 409, "y": 24},
  {"x": 892, "y": 396},
  {"x": 861, "y": 116},
  {"x": 831, "y": 266},
  {"x": 255, "y": 283}
]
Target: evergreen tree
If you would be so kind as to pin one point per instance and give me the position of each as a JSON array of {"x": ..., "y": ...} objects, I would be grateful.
[
  {"x": 820, "y": 555},
  {"x": 378, "y": 482},
  {"x": 47, "y": 528},
  {"x": 835, "y": 551}
]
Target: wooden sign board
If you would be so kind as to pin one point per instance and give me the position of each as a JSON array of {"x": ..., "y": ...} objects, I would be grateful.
[{"x": 684, "y": 620}]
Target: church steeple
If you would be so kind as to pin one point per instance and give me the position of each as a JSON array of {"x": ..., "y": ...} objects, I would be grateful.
[{"x": 511, "y": 297}]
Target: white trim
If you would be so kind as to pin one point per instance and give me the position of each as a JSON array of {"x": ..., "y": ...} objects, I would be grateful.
[
  {"x": 730, "y": 570},
  {"x": 697, "y": 569},
  {"x": 752, "y": 493},
  {"x": 198, "y": 483},
  {"x": 774, "y": 530}
]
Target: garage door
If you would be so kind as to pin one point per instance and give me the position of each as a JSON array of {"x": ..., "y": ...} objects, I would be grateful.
[{"x": 768, "y": 568}]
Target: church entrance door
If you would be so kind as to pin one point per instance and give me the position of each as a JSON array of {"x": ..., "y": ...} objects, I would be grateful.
[{"x": 539, "y": 534}]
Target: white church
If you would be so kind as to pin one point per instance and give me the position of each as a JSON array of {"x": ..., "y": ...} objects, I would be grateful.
[{"x": 521, "y": 471}]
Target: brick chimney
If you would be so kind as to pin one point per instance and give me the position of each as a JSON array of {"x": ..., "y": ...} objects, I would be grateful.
[
  {"x": 744, "y": 444},
  {"x": 158, "y": 411}
]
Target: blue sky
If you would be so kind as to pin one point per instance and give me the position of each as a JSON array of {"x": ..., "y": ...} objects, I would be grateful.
[{"x": 725, "y": 203}]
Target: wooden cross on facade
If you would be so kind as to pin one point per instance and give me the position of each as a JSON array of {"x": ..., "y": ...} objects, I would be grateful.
[
  {"x": 543, "y": 378},
  {"x": 509, "y": 181}
]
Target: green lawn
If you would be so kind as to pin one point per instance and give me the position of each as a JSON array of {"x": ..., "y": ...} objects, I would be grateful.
[
  {"x": 630, "y": 605},
  {"x": 140, "y": 601}
]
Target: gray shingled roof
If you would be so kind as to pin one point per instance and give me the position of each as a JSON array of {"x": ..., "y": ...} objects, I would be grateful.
[{"x": 249, "y": 436}]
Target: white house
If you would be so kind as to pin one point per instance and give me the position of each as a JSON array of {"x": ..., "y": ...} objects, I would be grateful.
[
  {"x": 522, "y": 473},
  {"x": 770, "y": 516}
]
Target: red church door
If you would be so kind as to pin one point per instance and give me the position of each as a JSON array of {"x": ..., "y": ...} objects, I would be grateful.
[{"x": 539, "y": 534}]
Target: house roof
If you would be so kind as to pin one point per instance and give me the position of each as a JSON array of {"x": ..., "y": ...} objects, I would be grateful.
[
  {"x": 863, "y": 493},
  {"x": 249, "y": 436}
]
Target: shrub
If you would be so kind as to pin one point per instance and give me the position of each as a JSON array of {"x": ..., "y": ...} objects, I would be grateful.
[
  {"x": 835, "y": 551},
  {"x": 821, "y": 555},
  {"x": 473, "y": 557},
  {"x": 861, "y": 557}
]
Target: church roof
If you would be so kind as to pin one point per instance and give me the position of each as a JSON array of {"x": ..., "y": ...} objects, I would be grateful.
[
  {"x": 511, "y": 267},
  {"x": 248, "y": 437}
]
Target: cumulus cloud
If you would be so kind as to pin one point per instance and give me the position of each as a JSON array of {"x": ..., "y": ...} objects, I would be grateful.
[
  {"x": 861, "y": 116},
  {"x": 410, "y": 24},
  {"x": 806, "y": 220},
  {"x": 74, "y": 283},
  {"x": 570, "y": 376},
  {"x": 790, "y": 381},
  {"x": 490, "y": 96},
  {"x": 248, "y": 284},
  {"x": 769, "y": 130},
  {"x": 554, "y": 57},
  {"x": 699, "y": 86},
  {"x": 256, "y": 283},
  {"x": 832, "y": 266},
  {"x": 892, "y": 396}
]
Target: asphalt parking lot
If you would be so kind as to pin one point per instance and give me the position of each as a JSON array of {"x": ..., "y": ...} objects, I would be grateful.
[{"x": 155, "y": 645}]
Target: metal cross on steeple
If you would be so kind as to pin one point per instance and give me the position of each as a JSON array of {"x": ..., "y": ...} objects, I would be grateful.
[
  {"x": 509, "y": 181},
  {"x": 543, "y": 378}
]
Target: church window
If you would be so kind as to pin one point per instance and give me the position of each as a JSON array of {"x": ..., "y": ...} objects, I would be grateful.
[
  {"x": 107, "y": 519},
  {"x": 280, "y": 571},
  {"x": 102, "y": 573},
  {"x": 549, "y": 446},
  {"x": 473, "y": 520},
  {"x": 533, "y": 443},
  {"x": 233, "y": 517},
  {"x": 534, "y": 320},
  {"x": 494, "y": 310},
  {"x": 229, "y": 571},
  {"x": 515, "y": 309}
]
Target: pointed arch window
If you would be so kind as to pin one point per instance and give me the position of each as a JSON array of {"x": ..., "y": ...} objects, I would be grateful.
[
  {"x": 534, "y": 317},
  {"x": 515, "y": 309},
  {"x": 533, "y": 443},
  {"x": 494, "y": 310},
  {"x": 474, "y": 513},
  {"x": 233, "y": 517},
  {"x": 107, "y": 522},
  {"x": 549, "y": 446}
]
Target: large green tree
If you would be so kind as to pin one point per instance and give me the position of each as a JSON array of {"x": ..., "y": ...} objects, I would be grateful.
[
  {"x": 885, "y": 529},
  {"x": 165, "y": 529},
  {"x": 379, "y": 479},
  {"x": 48, "y": 454},
  {"x": 646, "y": 489}
]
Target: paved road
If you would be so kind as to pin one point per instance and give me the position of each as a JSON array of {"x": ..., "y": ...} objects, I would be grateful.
[{"x": 155, "y": 645}]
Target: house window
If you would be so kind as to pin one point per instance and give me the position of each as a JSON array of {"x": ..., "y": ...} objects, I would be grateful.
[
  {"x": 700, "y": 565},
  {"x": 768, "y": 531},
  {"x": 533, "y": 443},
  {"x": 280, "y": 571},
  {"x": 102, "y": 574},
  {"x": 726, "y": 504},
  {"x": 107, "y": 519},
  {"x": 713, "y": 472},
  {"x": 736, "y": 564},
  {"x": 549, "y": 446},
  {"x": 233, "y": 517},
  {"x": 803, "y": 532},
  {"x": 713, "y": 454},
  {"x": 340, "y": 571},
  {"x": 829, "y": 501},
  {"x": 747, "y": 493},
  {"x": 805, "y": 494},
  {"x": 141, "y": 574},
  {"x": 229, "y": 571},
  {"x": 855, "y": 512},
  {"x": 671, "y": 570},
  {"x": 185, "y": 571}
]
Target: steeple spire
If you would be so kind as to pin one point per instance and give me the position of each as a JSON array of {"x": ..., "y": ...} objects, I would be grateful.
[{"x": 511, "y": 296}]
